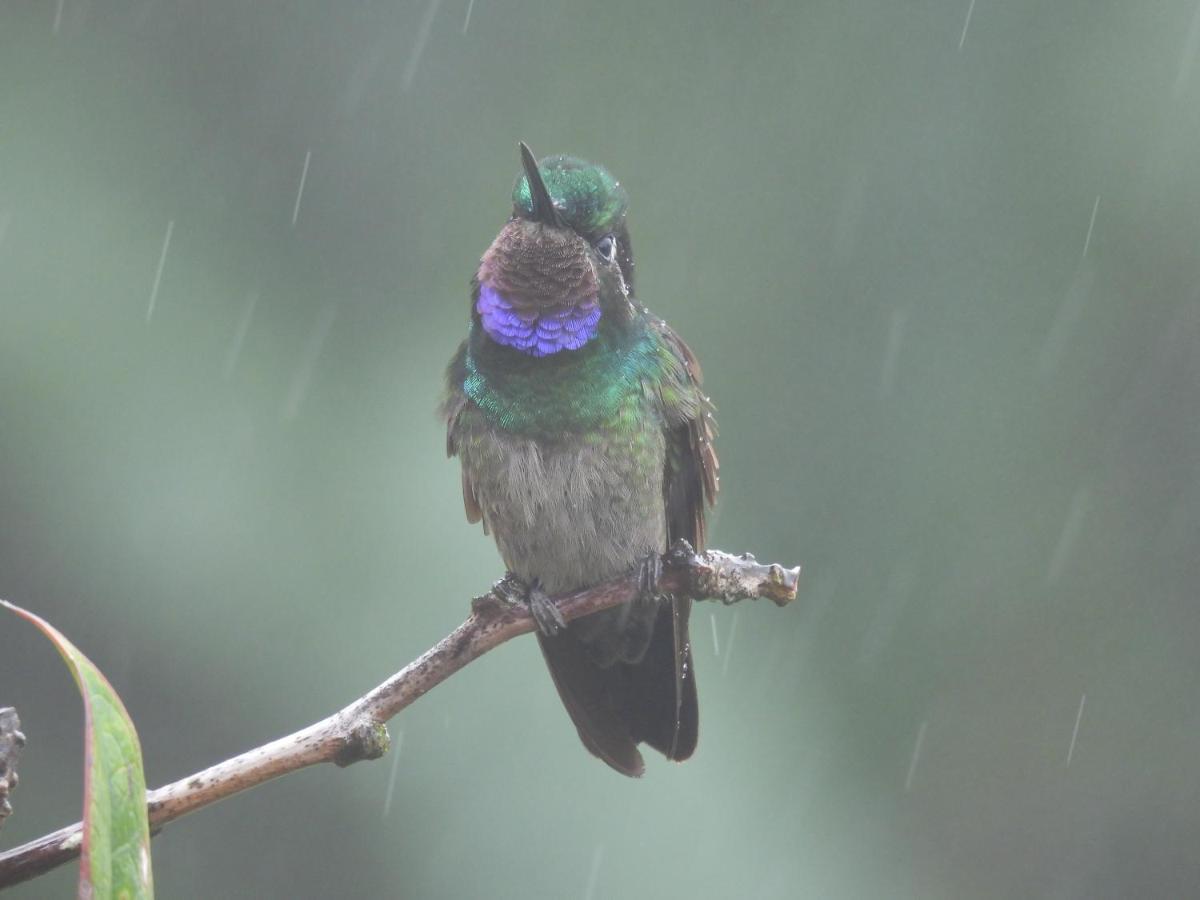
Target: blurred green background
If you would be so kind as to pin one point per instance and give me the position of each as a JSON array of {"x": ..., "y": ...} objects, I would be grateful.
[{"x": 940, "y": 265}]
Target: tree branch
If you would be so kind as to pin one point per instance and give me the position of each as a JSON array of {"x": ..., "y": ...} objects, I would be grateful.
[{"x": 359, "y": 731}]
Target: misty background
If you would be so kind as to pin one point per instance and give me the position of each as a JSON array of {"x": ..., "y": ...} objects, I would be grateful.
[{"x": 939, "y": 260}]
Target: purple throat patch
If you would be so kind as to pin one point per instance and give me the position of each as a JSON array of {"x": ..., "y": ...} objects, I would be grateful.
[{"x": 538, "y": 331}]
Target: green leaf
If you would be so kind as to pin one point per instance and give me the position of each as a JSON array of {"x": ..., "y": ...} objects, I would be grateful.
[{"x": 115, "y": 859}]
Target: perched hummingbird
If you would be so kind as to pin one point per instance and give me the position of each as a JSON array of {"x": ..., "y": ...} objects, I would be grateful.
[{"x": 586, "y": 450}]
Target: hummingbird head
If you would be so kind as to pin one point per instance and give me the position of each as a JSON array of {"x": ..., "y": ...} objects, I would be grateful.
[{"x": 561, "y": 262}]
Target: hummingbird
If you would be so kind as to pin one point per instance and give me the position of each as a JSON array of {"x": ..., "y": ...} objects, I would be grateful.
[{"x": 586, "y": 445}]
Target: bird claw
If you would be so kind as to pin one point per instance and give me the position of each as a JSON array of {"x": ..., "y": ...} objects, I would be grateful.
[
  {"x": 516, "y": 592},
  {"x": 510, "y": 589},
  {"x": 649, "y": 572},
  {"x": 549, "y": 618}
]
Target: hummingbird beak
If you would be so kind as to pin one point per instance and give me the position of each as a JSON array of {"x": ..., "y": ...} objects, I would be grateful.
[{"x": 543, "y": 207}]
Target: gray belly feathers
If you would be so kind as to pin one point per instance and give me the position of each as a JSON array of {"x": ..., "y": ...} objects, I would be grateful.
[{"x": 571, "y": 514}]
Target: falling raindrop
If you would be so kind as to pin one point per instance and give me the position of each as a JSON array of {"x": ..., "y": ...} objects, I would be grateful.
[
  {"x": 1075, "y": 732},
  {"x": 1087, "y": 241},
  {"x": 916, "y": 757},
  {"x": 423, "y": 31},
  {"x": 712, "y": 618},
  {"x": 891, "y": 354},
  {"x": 162, "y": 262},
  {"x": 239, "y": 336},
  {"x": 967, "y": 24},
  {"x": 594, "y": 874},
  {"x": 467, "y": 20},
  {"x": 729, "y": 643},
  {"x": 312, "y": 352},
  {"x": 1068, "y": 536},
  {"x": 391, "y": 785},
  {"x": 1189, "y": 54},
  {"x": 300, "y": 189}
]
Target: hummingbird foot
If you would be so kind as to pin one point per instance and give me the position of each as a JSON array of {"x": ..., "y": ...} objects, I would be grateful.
[
  {"x": 649, "y": 573},
  {"x": 549, "y": 619},
  {"x": 510, "y": 589},
  {"x": 513, "y": 590}
]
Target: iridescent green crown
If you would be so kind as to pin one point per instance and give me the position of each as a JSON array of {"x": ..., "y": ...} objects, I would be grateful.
[{"x": 586, "y": 196}]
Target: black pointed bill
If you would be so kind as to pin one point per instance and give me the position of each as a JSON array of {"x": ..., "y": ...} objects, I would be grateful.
[{"x": 539, "y": 197}]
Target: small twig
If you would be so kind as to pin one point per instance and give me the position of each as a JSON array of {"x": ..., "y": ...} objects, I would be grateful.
[
  {"x": 11, "y": 742},
  {"x": 359, "y": 731}
]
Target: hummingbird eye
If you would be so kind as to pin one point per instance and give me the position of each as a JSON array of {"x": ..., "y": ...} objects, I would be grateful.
[{"x": 607, "y": 247}]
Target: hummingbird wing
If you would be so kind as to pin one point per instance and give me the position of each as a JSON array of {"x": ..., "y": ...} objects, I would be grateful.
[
  {"x": 668, "y": 720},
  {"x": 691, "y": 479},
  {"x": 453, "y": 404}
]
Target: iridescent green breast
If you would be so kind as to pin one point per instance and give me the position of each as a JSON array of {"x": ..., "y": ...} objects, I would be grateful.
[{"x": 604, "y": 385}]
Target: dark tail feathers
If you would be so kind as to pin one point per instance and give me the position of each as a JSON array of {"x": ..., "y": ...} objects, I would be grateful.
[{"x": 618, "y": 707}]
